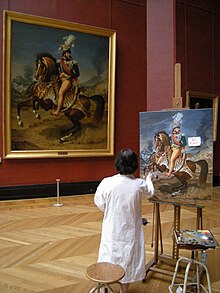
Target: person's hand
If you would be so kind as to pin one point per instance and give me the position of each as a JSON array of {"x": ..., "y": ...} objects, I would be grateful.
[
  {"x": 149, "y": 182},
  {"x": 149, "y": 175}
]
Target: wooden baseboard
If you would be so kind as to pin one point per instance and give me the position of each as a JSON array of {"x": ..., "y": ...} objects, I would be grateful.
[{"x": 47, "y": 190}]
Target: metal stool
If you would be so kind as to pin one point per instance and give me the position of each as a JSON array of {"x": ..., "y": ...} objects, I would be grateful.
[
  {"x": 198, "y": 265},
  {"x": 104, "y": 273}
]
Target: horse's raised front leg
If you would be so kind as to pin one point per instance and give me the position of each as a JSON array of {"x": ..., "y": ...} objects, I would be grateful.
[
  {"x": 20, "y": 123},
  {"x": 35, "y": 109},
  {"x": 44, "y": 104},
  {"x": 26, "y": 103}
]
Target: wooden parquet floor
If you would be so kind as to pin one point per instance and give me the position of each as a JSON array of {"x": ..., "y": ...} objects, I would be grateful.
[{"x": 47, "y": 249}]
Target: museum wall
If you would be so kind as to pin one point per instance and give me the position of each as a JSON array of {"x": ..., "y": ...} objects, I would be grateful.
[
  {"x": 198, "y": 51},
  {"x": 145, "y": 58},
  {"x": 128, "y": 18}
]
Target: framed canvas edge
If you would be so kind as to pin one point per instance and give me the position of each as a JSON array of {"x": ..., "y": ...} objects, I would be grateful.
[
  {"x": 215, "y": 103},
  {"x": 8, "y": 153}
]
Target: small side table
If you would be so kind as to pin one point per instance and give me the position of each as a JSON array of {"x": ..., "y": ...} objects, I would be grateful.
[
  {"x": 104, "y": 273},
  {"x": 193, "y": 240},
  {"x": 198, "y": 266}
]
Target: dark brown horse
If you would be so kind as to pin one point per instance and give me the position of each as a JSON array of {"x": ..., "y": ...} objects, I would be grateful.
[
  {"x": 184, "y": 168},
  {"x": 44, "y": 93}
]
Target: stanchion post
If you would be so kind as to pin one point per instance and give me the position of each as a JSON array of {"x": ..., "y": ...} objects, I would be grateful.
[{"x": 58, "y": 204}]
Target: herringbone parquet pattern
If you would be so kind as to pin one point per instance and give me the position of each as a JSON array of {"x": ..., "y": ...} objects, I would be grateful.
[{"x": 47, "y": 249}]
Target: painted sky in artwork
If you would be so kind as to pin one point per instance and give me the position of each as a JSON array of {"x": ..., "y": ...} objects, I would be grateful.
[{"x": 90, "y": 51}]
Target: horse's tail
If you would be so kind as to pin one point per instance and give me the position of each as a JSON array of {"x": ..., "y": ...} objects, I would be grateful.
[
  {"x": 100, "y": 105},
  {"x": 203, "y": 172}
]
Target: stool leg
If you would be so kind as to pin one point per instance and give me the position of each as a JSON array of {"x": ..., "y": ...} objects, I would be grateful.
[
  {"x": 102, "y": 285},
  {"x": 197, "y": 278},
  {"x": 97, "y": 288},
  {"x": 186, "y": 276},
  {"x": 174, "y": 275},
  {"x": 93, "y": 290},
  {"x": 207, "y": 277},
  {"x": 208, "y": 280},
  {"x": 108, "y": 287}
]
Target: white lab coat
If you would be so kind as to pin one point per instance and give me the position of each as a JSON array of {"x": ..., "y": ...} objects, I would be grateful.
[{"x": 122, "y": 239}]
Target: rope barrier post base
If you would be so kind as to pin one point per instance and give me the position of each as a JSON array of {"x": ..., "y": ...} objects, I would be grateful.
[{"x": 58, "y": 204}]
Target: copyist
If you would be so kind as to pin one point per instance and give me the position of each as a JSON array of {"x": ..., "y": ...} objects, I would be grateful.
[{"x": 120, "y": 198}]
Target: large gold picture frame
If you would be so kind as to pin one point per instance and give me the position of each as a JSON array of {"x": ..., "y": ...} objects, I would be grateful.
[
  {"x": 200, "y": 100},
  {"x": 33, "y": 48}
]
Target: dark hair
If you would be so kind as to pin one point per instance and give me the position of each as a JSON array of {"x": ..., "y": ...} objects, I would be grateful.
[
  {"x": 176, "y": 127},
  {"x": 126, "y": 162},
  {"x": 65, "y": 51}
]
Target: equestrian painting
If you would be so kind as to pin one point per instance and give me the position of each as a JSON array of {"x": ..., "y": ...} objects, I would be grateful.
[
  {"x": 176, "y": 146},
  {"x": 59, "y": 88}
]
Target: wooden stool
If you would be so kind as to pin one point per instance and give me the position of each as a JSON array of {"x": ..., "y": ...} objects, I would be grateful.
[{"x": 104, "y": 273}]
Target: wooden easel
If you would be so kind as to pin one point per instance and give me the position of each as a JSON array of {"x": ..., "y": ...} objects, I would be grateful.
[
  {"x": 177, "y": 101},
  {"x": 160, "y": 256}
]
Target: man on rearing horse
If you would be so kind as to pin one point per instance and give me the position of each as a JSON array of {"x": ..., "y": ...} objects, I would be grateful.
[
  {"x": 177, "y": 142},
  {"x": 69, "y": 73}
]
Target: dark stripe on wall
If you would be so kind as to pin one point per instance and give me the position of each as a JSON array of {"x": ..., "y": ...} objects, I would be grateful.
[
  {"x": 47, "y": 190},
  {"x": 216, "y": 180},
  {"x": 50, "y": 190}
]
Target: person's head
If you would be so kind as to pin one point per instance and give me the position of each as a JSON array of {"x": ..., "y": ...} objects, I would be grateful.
[
  {"x": 176, "y": 129},
  {"x": 126, "y": 162},
  {"x": 66, "y": 53},
  {"x": 197, "y": 105}
]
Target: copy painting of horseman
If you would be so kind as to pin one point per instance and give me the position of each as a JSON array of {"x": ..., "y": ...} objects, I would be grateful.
[{"x": 177, "y": 146}]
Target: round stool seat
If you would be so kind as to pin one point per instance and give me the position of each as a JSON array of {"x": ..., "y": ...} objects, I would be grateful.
[{"x": 105, "y": 272}]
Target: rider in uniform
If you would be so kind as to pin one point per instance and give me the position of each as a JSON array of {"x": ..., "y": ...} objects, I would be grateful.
[
  {"x": 178, "y": 143},
  {"x": 69, "y": 73}
]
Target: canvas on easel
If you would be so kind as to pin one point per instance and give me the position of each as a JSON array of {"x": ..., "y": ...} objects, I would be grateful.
[{"x": 177, "y": 147}]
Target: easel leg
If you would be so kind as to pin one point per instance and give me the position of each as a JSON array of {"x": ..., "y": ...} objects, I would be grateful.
[
  {"x": 199, "y": 218},
  {"x": 157, "y": 229},
  {"x": 199, "y": 222},
  {"x": 161, "y": 236},
  {"x": 157, "y": 233},
  {"x": 176, "y": 227}
]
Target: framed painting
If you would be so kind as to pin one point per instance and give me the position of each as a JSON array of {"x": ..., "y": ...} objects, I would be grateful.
[
  {"x": 58, "y": 88},
  {"x": 176, "y": 146},
  {"x": 199, "y": 100}
]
